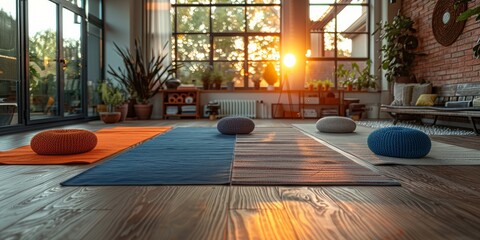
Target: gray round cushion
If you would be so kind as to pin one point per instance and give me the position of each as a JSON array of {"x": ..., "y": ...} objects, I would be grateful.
[
  {"x": 335, "y": 124},
  {"x": 235, "y": 125}
]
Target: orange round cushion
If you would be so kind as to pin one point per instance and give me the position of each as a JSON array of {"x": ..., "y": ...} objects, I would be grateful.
[{"x": 63, "y": 142}]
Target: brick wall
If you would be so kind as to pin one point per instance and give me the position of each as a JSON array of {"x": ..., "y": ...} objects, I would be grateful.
[{"x": 443, "y": 65}]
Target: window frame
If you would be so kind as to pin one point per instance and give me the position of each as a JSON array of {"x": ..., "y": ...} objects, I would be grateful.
[{"x": 212, "y": 35}]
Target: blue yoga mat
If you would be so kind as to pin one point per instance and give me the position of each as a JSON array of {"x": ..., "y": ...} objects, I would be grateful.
[{"x": 179, "y": 156}]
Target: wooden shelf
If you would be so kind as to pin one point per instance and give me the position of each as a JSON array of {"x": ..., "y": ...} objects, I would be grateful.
[{"x": 174, "y": 102}]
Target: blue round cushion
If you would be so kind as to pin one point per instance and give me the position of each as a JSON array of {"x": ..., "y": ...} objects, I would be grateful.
[
  {"x": 399, "y": 142},
  {"x": 235, "y": 125}
]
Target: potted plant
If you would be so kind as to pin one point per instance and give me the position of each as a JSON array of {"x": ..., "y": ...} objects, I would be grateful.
[
  {"x": 365, "y": 79},
  {"x": 217, "y": 80},
  {"x": 398, "y": 45},
  {"x": 206, "y": 78},
  {"x": 142, "y": 77},
  {"x": 112, "y": 96},
  {"x": 270, "y": 76},
  {"x": 327, "y": 84},
  {"x": 347, "y": 75}
]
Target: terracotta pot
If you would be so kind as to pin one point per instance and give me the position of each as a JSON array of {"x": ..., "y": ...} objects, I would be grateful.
[
  {"x": 349, "y": 88},
  {"x": 110, "y": 117},
  {"x": 131, "y": 109},
  {"x": 143, "y": 111},
  {"x": 123, "y": 109}
]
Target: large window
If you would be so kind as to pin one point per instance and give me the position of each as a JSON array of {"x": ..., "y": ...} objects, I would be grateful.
[
  {"x": 237, "y": 38},
  {"x": 339, "y": 35}
]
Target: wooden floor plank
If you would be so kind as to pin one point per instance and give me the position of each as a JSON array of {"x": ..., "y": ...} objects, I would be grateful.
[
  {"x": 434, "y": 202},
  {"x": 399, "y": 214}
]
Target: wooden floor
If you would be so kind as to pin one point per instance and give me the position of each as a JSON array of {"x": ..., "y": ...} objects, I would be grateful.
[{"x": 434, "y": 202}]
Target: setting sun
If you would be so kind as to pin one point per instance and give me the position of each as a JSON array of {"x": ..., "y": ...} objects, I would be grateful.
[{"x": 289, "y": 60}]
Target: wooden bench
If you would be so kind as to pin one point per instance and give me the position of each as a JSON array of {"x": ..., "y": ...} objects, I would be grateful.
[{"x": 447, "y": 93}]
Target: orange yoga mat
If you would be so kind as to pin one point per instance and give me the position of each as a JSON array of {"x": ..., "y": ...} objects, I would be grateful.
[{"x": 110, "y": 141}]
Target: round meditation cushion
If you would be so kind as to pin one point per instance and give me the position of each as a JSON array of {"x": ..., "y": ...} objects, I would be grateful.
[
  {"x": 336, "y": 124},
  {"x": 235, "y": 125},
  {"x": 63, "y": 142},
  {"x": 399, "y": 142}
]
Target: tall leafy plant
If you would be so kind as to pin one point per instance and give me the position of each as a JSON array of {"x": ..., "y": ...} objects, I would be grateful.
[
  {"x": 467, "y": 14},
  {"x": 398, "y": 45},
  {"x": 142, "y": 77}
]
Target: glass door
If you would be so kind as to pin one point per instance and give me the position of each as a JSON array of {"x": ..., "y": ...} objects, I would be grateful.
[
  {"x": 55, "y": 61},
  {"x": 72, "y": 63},
  {"x": 9, "y": 62},
  {"x": 43, "y": 59}
]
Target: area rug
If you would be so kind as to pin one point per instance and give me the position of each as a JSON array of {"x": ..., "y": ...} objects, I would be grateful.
[
  {"x": 109, "y": 142},
  {"x": 427, "y": 129},
  {"x": 180, "y": 156},
  {"x": 356, "y": 144},
  {"x": 286, "y": 156}
]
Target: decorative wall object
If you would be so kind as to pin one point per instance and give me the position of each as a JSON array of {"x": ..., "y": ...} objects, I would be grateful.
[{"x": 444, "y": 25}]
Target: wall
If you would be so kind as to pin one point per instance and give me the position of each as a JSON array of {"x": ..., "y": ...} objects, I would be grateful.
[{"x": 443, "y": 65}]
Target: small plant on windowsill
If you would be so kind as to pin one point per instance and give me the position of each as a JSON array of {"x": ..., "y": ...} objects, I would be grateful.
[
  {"x": 365, "y": 80},
  {"x": 270, "y": 76},
  {"x": 346, "y": 75}
]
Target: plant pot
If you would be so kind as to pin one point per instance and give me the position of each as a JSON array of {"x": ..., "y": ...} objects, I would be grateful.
[
  {"x": 143, "y": 111},
  {"x": 172, "y": 84},
  {"x": 349, "y": 88},
  {"x": 270, "y": 87},
  {"x": 256, "y": 85},
  {"x": 123, "y": 109},
  {"x": 131, "y": 109},
  {"x": 110, "y": 117},
  {"x": 230, "y": 86}
]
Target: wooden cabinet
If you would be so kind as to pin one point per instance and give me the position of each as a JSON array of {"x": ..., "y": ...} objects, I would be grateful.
[
  {"x": 182, "y": 103},
  {"x": 318, "y": 104}
]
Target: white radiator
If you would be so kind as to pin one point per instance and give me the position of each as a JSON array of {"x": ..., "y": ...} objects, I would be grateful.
[{"x": 233, "y": 107}]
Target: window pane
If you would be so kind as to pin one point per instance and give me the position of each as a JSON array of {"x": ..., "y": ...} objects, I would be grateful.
[
  {"x": 190, "y": 72},
  {"x": 320, "y": 70},
  {"x": 321, "y": 1},
  {"x": 263, "y": 19},
  {"x": 229, "y": 48},
  {"x": 230, "y": 71},
  {"x": 353, "y": 19},
  {"x": 353, "y": 45},
  {"x": 255, "y": 72},
  {"x": 8, "y": 63},
  {"x": 95, "y": 8},
  {"x": 264, "y": 1},
  {"x": 229, "y": 1},
  {"x": 323, "y": 18},
  {"x": 78, "y": 3},
  {"x": 264, "y": 48},
  {"x": 193, "y": 1},
  {"x": 193, "y": 47},
  {"x": 43, "y": 59},
  {"x": 72, "y": 69},
  {"x": 228, "y": 19},
  {"x": 322, "y": 44},
  {"x": 193, "y": 19},
  {"x": 94, "y": 71}
]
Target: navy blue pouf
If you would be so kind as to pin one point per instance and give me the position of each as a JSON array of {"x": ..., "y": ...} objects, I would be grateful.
[
  {"x": 399, "y": 142},
  {"x": 235, "y": 125}
]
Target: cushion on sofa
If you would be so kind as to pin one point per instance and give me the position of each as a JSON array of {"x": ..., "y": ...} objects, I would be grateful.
[
  {"x": 426, "y": 100},
  {"x": 418, "y": 90},
  {"x": 458, "y": 104},
  {"x": 476, "y": 102}
]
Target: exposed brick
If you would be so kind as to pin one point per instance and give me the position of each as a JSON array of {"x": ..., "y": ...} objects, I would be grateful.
[{"x": 442, "y": 65}]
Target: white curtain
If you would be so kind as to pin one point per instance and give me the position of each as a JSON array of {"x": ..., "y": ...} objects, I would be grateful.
[
  {"x": 158, "y": 27},
  {"x": 157, "y": 33}
]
